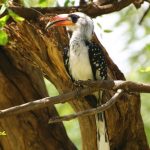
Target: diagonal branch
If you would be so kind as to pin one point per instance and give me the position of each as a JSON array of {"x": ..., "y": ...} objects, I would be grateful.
[
  {"x": 88, "y": 112},
  {"x": 91, "y": 86},
  {"x": 144, "y": 15},
  {"x": 47, "y": 101}
]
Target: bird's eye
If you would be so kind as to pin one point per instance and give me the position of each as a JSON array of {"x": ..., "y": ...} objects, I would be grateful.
[{"x": 74, "y": 18}]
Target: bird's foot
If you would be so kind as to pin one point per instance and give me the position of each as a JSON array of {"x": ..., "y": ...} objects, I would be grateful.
[
  {"x": 82, "y": 83},
  {"x": 78, "y": 93},
  {"x": 78, "y": 83},
  {"x": 77, "y": 87}
]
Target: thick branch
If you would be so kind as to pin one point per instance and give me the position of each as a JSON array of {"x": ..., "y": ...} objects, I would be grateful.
[
  {"x": 93, "y": 86},
  {"x": 91, "y": 9},
  {"x": 88, "y": 112},
  {"x": 48, "y": 101},
  {"x": 118, "y": 84}
]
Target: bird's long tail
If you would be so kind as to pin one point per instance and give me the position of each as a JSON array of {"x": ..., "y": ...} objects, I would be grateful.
[{"x": 102, "y": 135}]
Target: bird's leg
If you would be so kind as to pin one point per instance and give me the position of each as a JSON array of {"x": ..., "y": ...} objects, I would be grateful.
[
  {"x": 77, "y": 86},
  {"x": 84, "y": 83},
  {"x": 78, "y": 83}
]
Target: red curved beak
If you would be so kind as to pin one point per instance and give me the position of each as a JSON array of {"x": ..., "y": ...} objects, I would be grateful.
[{"x": 59, "y": 20}]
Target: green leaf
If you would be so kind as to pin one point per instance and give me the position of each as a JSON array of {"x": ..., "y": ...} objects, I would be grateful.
[
  {"x": 43, "y": 3},
  {"x": 15, "y": 17},
  {"x": 72, "y": 3},
  {"x": 99, "y": 25},
  {"x": 2, "y": 9},
  {"x": 3, "y": 20},
  {"x": 4, "y": 1},
  {"x": 66, "y": 3},
  {"x": 147, "y": 69},
  {"x": 147, "y": 47},
  {"x": 107, "y": 31},
  {"x": 3, "y": 38}
]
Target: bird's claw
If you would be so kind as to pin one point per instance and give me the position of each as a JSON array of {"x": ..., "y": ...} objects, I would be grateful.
[
  {"x": 77, "y": 87},
  {"x": 77, "y": 83},
  {"x": 78, "y": 92}
]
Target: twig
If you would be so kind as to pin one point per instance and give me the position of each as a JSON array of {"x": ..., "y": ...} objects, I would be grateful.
[
  {"x": 88, "y": 112},
  {"x": 144, "y": 15},
  {"x": 92, "y": 86}
]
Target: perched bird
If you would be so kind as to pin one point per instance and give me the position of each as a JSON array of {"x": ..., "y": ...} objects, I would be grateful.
[{"x": 84, "y": 60}]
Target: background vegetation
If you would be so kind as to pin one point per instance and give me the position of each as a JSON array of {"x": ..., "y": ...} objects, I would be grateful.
[{"x": 131, "y": 52}]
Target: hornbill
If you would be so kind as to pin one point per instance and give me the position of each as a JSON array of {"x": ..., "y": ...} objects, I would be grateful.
[{"x": 84, "y": 60}]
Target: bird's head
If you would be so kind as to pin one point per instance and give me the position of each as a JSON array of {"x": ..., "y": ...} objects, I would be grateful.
[{"x": 77, "y": 21}]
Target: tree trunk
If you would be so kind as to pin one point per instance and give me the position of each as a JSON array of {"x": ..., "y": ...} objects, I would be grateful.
[
  {"x": 30, "y": 45},
  {"x": 19, "y": 83}
]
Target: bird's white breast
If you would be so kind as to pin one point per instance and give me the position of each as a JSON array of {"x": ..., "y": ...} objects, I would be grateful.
[{"x": 79, "y": 62}]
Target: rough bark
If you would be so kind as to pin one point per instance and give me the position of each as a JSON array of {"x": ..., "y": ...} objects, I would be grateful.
[
  {"x": 43, "y": 51},
  {"x": 20, "y": 82}
]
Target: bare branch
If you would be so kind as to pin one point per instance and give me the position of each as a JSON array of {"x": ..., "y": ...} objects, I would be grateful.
[
  {"x": 47, "y": 101},
  {"x": 91, "y": 9},
  {"x": 92, "y": 86},
  {"x": 88, "y": 112},
  {"x": 118, "y": 84},
  {"x": 144, "y": 15}
]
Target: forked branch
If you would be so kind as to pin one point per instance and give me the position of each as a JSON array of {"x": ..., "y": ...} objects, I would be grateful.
[
  {"x": 89, "y": 87},
  {"x": 88, "y": 112}
]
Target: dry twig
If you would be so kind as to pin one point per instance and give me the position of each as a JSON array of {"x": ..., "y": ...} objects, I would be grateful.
[{"x": 144, "y": 15}]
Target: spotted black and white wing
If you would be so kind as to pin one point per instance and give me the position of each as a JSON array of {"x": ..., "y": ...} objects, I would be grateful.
[
  {"x": 66, "y": 61},
  {"x": 97, "y": 60},
  {"x": 98, "y": 64},
  {"x": 99, "y": 68},
  {"x": 66, "y": 58}
]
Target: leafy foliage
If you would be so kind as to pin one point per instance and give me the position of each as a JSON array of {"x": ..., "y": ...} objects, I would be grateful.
[
  {"x": 3, "y": 21},
  {"x": 38, "y": 3},
  {"x": 3, "y": 8},
  {"x": 15, "y": 17},
  {"x": 107, "y": 31},
  {"x": 3, "y": 37},
  {"x": 69, "y": 3}
]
